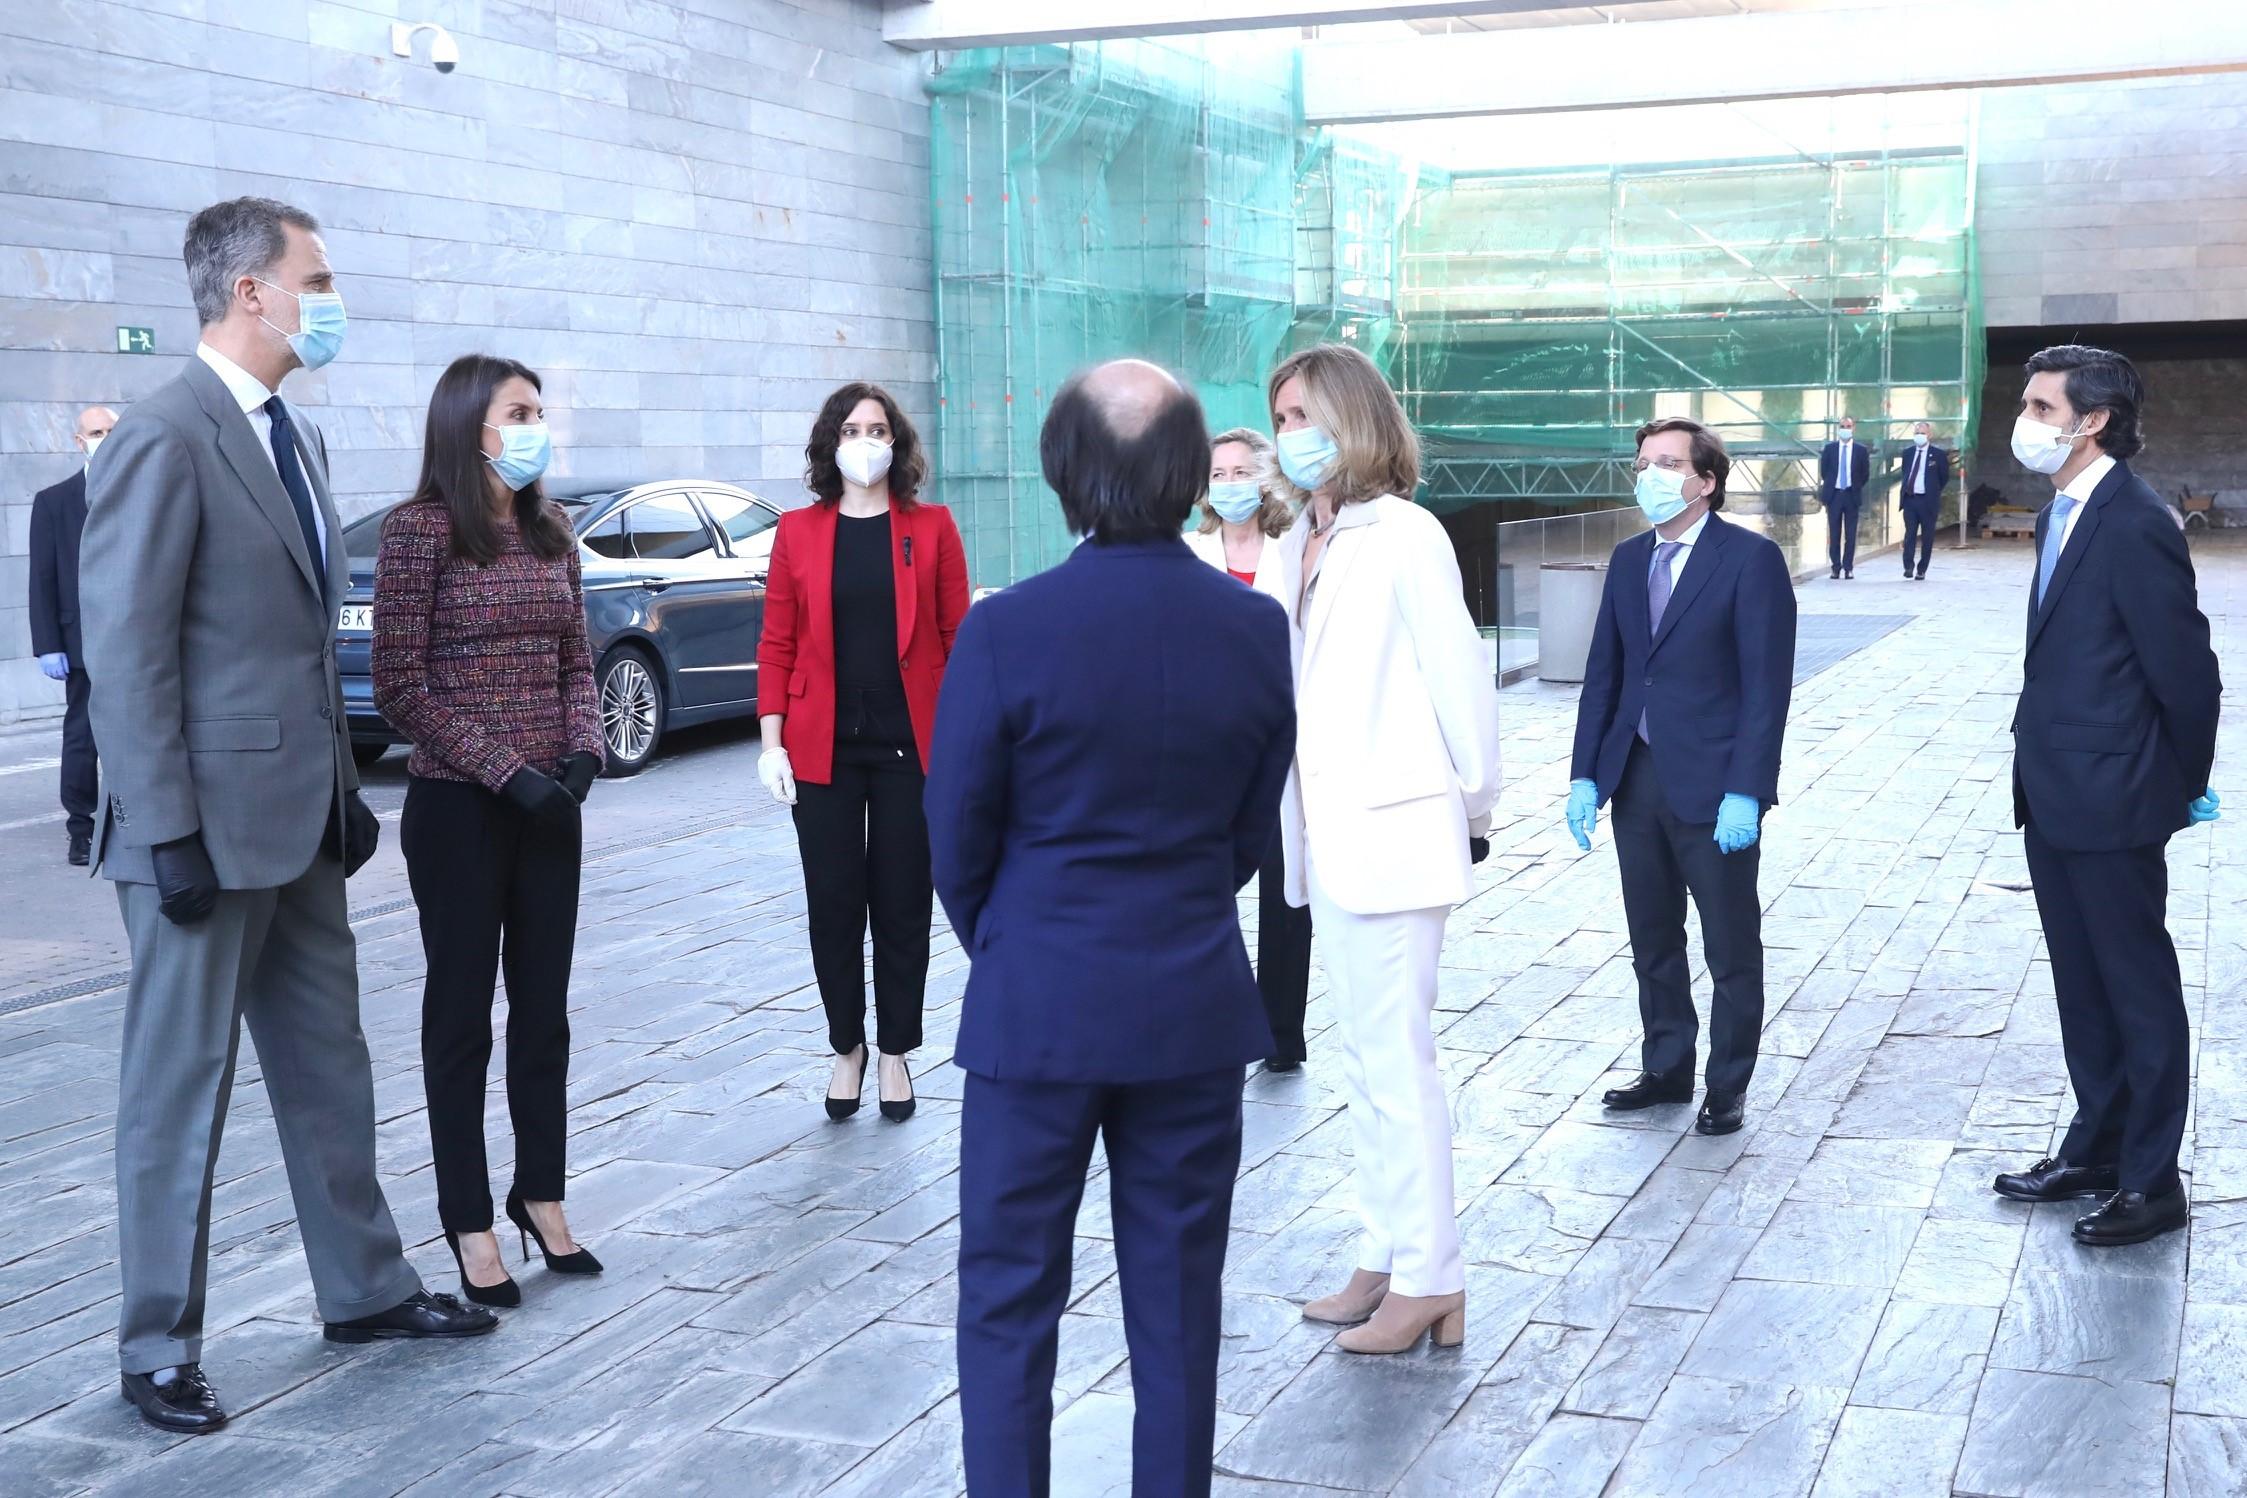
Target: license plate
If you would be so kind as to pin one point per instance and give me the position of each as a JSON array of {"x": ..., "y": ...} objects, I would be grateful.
[{"x": 356, "y": 619}]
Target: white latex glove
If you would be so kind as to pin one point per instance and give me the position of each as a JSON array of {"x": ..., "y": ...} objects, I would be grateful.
[{"x": 778, "y": 774}]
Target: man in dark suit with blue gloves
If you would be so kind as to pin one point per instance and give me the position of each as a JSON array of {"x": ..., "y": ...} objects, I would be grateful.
[
  {"x": 58, "y": 519},
  {"x": 1680, "y": 723},
  {"x": 1110, "y": 748},
  {"x": 2113, "y": 742},
  {"x": 1923, "y": 471},
  {"x": 1842, "y": 470}
]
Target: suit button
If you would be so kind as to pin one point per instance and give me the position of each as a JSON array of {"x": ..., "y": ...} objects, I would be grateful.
[
  {"x": 1648, "y": 682},
  {"x": 327, "y": 712}
]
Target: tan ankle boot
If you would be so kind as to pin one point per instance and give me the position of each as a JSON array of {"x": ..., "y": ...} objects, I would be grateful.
[
  {"x": 1352, "y": 1303},
  {"x": 1398, "y": 1325}
]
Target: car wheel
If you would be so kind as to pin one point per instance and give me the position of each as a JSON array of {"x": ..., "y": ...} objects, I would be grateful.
[
  {"x": 364, "y": 755},
  {"x": 631, "y": 711}
]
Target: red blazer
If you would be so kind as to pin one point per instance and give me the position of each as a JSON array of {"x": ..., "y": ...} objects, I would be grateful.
[{"x": 796, "y": 658}]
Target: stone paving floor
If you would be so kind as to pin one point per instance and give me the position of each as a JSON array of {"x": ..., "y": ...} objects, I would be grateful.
[{"x": 1829, "y": 1303}]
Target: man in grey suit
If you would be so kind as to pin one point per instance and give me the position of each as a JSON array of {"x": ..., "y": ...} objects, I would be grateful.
[{"x": 213, "y": 566}]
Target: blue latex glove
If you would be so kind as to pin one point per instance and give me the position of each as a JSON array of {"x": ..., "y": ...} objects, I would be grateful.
[
  {"x": 1738, "y": 822},
  {"x": 1583, "y": 811},
  {"x": 56, "y": 667},
  {"x": 2206, "y": 807}
]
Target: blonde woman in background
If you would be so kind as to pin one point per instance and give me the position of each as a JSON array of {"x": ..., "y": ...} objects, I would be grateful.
[
  {"x": 1242, "y": 522},
  {"x": 1388, "y": 808}
]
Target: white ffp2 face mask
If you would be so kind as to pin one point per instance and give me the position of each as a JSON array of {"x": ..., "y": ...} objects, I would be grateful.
[{"x": 863, "y": 460}]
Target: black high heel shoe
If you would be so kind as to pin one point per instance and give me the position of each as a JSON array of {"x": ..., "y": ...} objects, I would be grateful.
[
  {"x": 505, "y": 1293},
  {"x": 581, "y": 1262},
  {"x": 899, "y": 1109},
  {"x": 844, "y": 1107}
]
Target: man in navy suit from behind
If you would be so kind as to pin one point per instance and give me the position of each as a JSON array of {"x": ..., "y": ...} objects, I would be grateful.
[
  {"x": 1681, "y": 721},
  {"x": 2113, "y": 741},
  {"x": 1842, "y": 470},
  {"x": 1110, "y": 747}
]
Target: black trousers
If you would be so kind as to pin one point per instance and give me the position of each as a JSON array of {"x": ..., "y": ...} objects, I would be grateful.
[
  {"x": 1283, "y": 956},
  {"x": 1841, "y": 535},
  {"x": 1663, "y": 859},
  {"x": 1919, "y": 531},
  {"x": 2122, "y": 1006},
  {"x": 864, "y": 842},
  {"x": 497, "y": 891},
  {"x": 81, "y": 777}
]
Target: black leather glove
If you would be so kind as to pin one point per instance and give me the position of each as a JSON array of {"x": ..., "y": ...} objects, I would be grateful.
[
  {"x": 362, "y": 834},
  {"x": 186, "y": 886},
  {"x": 541, "y": 796},
  {"x": 577, "y": 774},
  {"x": 1478, "y": 849}
]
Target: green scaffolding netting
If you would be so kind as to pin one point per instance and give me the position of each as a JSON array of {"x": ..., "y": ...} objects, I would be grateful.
[{"x": 1168, "y": 200}]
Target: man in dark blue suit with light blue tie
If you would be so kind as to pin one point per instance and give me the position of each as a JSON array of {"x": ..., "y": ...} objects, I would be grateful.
[
  {"x": 1110, "y": 747},
  {"x": 2113, "y": 741},
  {"x": 1681, "y": 721}
]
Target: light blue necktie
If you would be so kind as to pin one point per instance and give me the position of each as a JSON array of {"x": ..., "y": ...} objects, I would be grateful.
[
  {"x": 2055, "y": 541},
  {"x": 1659, "y": 586}
]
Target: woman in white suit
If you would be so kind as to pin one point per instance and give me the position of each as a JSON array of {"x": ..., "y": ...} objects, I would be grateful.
[
  {"x": 1396, "y": 772},
  {"x": 1241, "y": 526}
]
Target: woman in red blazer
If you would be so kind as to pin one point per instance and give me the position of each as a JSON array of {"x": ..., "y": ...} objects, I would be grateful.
[{"x": 867, "y": 588}]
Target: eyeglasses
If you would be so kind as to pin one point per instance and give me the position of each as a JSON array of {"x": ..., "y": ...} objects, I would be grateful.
[{"x": 1667, "y": 465}]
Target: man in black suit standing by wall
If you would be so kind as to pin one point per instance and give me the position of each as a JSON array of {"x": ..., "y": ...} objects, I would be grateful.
[
  {"x": 1922, "y": 471},
  {"x": 2113, "y": 741},
  {"x": 58, "y": 514},
  {"x": 1842, "y": 466}
]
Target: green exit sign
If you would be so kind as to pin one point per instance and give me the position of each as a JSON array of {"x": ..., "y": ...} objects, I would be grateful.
[{"x": 136, "y": 340}]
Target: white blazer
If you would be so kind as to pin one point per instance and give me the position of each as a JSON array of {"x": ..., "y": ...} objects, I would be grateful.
[
  {"x": 1396, "y": 707},
  {"x": 1210, "y": 547}
]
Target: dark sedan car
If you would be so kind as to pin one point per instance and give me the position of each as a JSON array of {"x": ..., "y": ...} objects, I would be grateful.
[{"x": 674, "y": 605}]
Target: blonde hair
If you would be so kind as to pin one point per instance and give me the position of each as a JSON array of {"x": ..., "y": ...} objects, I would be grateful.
[
  {"x": 1275, "y": 517},
  {"x": 1344, "y": 394}
]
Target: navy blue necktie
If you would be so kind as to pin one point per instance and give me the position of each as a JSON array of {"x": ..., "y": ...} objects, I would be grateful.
[{"x": 300, "y": 492}]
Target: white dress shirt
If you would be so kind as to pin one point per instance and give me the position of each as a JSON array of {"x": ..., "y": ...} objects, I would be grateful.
[
  {"x": 1683, "y": 553},
  {"x": 250, "y": 394},
  {"x": 2085, "y": 485}
]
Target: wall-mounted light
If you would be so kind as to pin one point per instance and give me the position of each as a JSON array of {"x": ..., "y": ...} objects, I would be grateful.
[{"x": 444, "y": 52}]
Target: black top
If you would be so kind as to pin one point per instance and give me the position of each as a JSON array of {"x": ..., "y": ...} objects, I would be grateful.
[{"x": 870, "y": 691}]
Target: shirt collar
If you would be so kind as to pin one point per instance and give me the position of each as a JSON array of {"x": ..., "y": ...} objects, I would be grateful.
[
  {"x": 248, "y": 391},
  {"x": 1692, "y": 532},
  {"x": 2087, "y": 482}
]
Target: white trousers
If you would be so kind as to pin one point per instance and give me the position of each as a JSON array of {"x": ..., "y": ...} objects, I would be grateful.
[{"x": 1381, "y": 974}]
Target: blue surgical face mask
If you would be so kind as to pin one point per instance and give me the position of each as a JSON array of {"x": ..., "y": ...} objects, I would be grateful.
[
  {"x": 1661, "y": 494},
  {"x": 523, "y": 454},
  {"x": 1237, "y": 500},
  {"x": 1307, "y": 456},
  {"x": 320, "y": 325}
]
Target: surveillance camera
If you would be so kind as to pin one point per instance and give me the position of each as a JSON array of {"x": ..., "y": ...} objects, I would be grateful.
[{"x": 444, "y": 52}]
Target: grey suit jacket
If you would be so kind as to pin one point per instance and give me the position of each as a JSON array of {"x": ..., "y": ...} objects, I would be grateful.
[{"x": 211, "y": 647}]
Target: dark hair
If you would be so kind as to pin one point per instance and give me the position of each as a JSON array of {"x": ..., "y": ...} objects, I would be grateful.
[
  {"x": 908, "y": 470},
  {"x": 1710, "y": 460},
  {"x": 454, "y": 468},
  {"x": 227, "y": 241},
  {"x": 2099, "y": 380},
  {"x": 1117, "y": 488}
]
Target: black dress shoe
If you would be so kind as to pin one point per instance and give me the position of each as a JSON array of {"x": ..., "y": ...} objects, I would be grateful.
[
  {"x": 1837, "y": 574},
  {"x": 1283, "y": 1064},
  {"x": 2054, "y": 1180},
  {"x": 1648, "y": 1091},
  {"x": 2133, "y": 1217},
  {"x": 1721, "y": 1115},
  {"x": 1921, "y": 574},
  {"x": 1850, "y": 574},
  {"x": 418, "y": 1315},
  {"x": 178, "y": 1399},
  {"x": 81, "y": 849}
]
